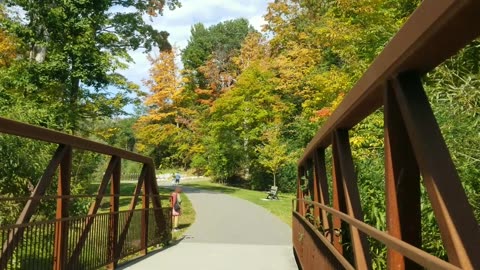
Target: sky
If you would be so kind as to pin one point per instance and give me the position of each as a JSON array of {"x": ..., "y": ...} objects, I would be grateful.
[{"x": 179, "y": 21}]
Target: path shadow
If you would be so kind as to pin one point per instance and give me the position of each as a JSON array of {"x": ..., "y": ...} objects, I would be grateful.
[
  {"x": 182, "y": 226},
  {"x": 151, "y": 253},
  {"x": 196, "y": 188}
]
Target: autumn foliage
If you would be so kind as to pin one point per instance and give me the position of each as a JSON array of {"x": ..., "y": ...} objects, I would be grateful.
[
  {"x": 238, "y": 84},
  {"x": 257, "y": 101}
]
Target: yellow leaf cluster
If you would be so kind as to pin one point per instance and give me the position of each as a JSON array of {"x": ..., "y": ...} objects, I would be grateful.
[
  {"x": 8, "y": 49},
  {"x": 166, "y": 88},
  {"x": 255, "y": 48}
]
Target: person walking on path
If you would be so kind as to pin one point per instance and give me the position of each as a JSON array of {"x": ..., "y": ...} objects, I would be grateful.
[
  {"x": 177, "y": 178},
  {"x": 176, "y": 202}
]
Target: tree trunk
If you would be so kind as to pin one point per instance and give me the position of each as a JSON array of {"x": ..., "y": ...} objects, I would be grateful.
[
  {"x": 74, "y": 96},
  {"x": 274, "y": 179},
  {"x": 74, "y": 110},
  {"x": 245, "y": 148}
]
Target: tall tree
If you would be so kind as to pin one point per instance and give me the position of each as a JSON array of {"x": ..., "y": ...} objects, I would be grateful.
[
  {"x": 208, "y": 54},
  {"x": 253, "y": 49},
  {"x": 272, "y": 154},
  {"x": 221, "y": 38},
  {"x": 164, "y": 131},
  {"x": 237, "y": 120},
  {"x": 76, "y": 48},
  {"x": 8, "y": 46}
]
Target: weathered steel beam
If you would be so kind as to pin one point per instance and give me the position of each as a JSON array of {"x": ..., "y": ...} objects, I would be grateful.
[
  {"x": 92, "y": 211},
  {"x": 326, "y": 256},
  {"x": 145, "y": 215},
  {"x": 433, "y": 33},
  {"x": 113, "y": 219},
  {"x": 402, "y": 185},
  {"x": 323, "y": 197},
  {"x": 155, "y": 196},
  {"x": 417, "y": 255},
  {"x": 458, "y": 227},
  {"x": 38, "y": 133},
  {"x": 32, "y": 205},
  {"x": 359, "y": 241},
  {"x": 316, "y": 188},
  {"x": 338, "y": 199},
  {"x": 61, "y": 227},
  {"x": 133, "y": 204}
]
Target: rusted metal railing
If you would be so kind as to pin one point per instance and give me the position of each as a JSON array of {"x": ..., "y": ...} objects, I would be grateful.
[
  {"x": 414, "y": 147},
  {"x": 92, "y": 240}
]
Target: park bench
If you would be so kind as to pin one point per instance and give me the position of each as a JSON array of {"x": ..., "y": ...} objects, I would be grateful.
[{"x": 273, "y": 193}]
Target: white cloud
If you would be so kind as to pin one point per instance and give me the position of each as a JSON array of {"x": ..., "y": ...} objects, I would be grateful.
[
  {"x": 257, "y": 22},
  {"x": 179, "y": 21}
]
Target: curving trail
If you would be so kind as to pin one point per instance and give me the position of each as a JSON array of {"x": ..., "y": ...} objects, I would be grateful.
[{"x": 228, "y": 233}]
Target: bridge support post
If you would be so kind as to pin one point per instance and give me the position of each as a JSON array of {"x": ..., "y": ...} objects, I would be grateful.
[
  {"x": 402, "y": 184},
  {"x": 321, "y": 192},
  {"x": 300, "y": 176},
  {"x": 152, "y": 187},
  {"x": 61, "y": 226},
  {"x": 338, "y": 200},
  {"x": 353, "y": 206},
  {"x": 92, "y": 211},
  {"x": 30, "y": 207},
  {"x": 315, "y": 192},
  {"x": 113, "y": 219},
  {"x": 145, "y": 214},
  {"x": 128, "y": 219}
]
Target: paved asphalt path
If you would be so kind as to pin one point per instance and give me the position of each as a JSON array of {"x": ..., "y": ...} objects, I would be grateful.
[{"x": 228, "y": 233}]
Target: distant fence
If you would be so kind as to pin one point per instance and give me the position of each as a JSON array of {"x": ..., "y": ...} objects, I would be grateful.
[
  {"x": 163, "y": 177},
  {"x": 129, "y": 176}
]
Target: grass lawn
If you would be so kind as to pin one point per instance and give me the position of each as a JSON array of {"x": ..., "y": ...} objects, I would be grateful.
[
  {"x": 281, "y": 208},
  {"x": 185, "y": 220},
  {"x": 127, "y": 190}
]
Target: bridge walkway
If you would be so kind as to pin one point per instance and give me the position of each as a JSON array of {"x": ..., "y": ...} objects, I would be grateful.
[{"x": 228, "y": 233}]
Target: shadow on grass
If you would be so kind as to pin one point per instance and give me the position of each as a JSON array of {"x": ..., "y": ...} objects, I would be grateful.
[
  {"x": 197, "y": 188},
  {"x": 185, "y": 225}
]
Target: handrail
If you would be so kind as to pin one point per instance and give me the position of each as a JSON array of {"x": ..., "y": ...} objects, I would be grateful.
[
  {"x": 146, "y": 191},
  {"x": 344, "y": 262},
  {"x": 413, "y": 143},
  {"x": 12, "y": 127},
  {"x": 410, "y": 49},
  {"x": 419, "y": 256}
]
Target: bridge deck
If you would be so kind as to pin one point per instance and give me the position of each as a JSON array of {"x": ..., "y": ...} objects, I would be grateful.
[{"x": 228, "y": 233}]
